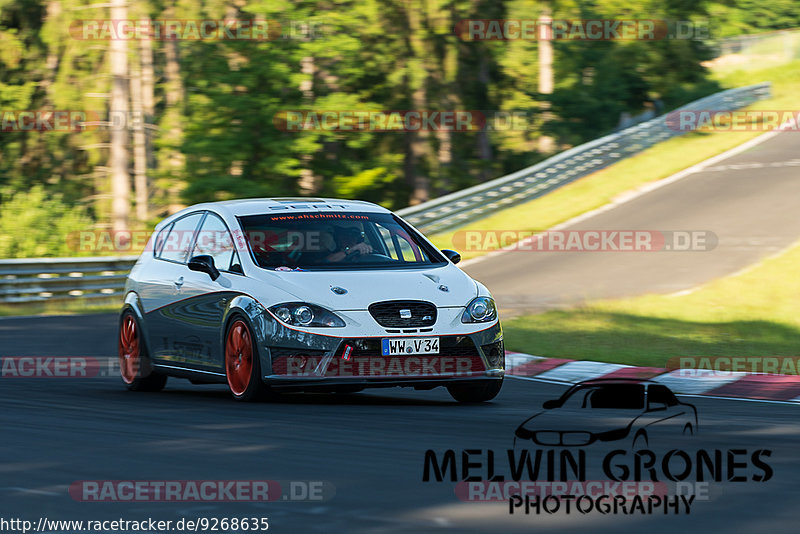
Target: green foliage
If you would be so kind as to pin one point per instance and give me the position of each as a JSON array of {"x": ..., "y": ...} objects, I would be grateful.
[
  {"x": 34, "y": 224},
  {"x": 736, "y": 17},
  {"x": 599, "y": 80},
  {"x": 219, "y": 140},
  {"x": 374, "y": 185}
]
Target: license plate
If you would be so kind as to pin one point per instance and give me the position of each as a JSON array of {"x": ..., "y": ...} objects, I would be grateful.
[{"x": 409, "y": 345}]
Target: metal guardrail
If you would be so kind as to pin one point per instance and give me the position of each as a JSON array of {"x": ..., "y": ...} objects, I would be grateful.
[
  {"x": 468, "y": 205},
  {"x": 52, "y": 279},
  {"x": 48, "y": 279}
]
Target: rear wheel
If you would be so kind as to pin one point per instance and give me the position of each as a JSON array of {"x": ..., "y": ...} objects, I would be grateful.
[
  {"x": 475, "y": 392},
  {"x": 242, "y": 366},
  {"x": 135, "y": 368}
]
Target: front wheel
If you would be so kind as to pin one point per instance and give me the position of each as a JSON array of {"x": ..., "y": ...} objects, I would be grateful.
[
  {"x": 242, "y": 366},
  {"x": 475, "y": 392},
  {"x": 135, "y": 368}
]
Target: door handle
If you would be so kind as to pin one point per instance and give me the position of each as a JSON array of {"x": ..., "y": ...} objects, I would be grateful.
[{"x": 179, "y": 282}]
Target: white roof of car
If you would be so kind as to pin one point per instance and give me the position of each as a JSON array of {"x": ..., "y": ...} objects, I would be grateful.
[{"x": 260, "y": 206}]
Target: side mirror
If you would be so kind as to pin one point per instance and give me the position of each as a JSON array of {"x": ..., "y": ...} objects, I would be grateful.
[
  {"x": 452, "y": 255},
  {"x": 549, "y": 405},
  {"x": 204, "y": 264},
  {"x": 656, "y": 406}
]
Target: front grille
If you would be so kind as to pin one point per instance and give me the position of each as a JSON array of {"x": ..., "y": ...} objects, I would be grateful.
[{"x": 388, "y": 313}]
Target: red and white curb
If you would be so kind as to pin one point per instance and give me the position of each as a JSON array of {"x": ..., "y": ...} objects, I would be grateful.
[{"x": 785, "y": 388}]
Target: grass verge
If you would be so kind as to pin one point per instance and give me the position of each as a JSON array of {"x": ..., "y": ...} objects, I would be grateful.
[
  {"x": 755, "y": 313},
  {"x": 655, "y": 163}
]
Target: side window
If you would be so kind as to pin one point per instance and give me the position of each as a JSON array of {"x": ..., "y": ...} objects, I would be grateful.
[
  {"x": 236, "y": 265},
  {"x": 214, "y": 240},
  {"x": 179, "y": 240},
  {"x": 397, "y": 244},
  {"x": 386, "y": 236},
  {"x": 160, "y": 239},
  {"x": 406, "y": 249}
]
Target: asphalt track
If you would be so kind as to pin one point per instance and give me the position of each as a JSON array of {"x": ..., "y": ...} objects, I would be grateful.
[
  {"x": 750, "y": 200},
  {"x": 370, "y": 446}
]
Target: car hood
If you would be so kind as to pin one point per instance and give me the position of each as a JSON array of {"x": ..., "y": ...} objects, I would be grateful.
[
  {"x": 368, "y": 286},
  {"x": 588, "y": 420}
]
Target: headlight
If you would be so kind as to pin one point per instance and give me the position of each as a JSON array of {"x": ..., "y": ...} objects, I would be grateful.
[
  {"x": 302, "y": 314},
  {"x": 480, "y": 310}
]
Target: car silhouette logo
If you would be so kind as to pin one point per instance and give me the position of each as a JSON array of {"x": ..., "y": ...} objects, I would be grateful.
[
  {"x": 405, "y": 314},
  {"x": 615, "y": 409}
]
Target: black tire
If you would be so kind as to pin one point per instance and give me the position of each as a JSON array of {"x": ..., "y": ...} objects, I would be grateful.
[
  {"x": 481, "y": 392},
  {"x": 135, "y": 367},
  {"x": 254, "y": 389}
]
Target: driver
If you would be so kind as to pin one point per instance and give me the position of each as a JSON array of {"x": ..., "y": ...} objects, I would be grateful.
[{"x": 349, "y": 242}]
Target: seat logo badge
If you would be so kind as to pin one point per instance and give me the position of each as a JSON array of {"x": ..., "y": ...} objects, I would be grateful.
[
  {"x": 405, "y": 314},
  {"x": 339, "y": 290},
  {"x": 444, "y": 288}
]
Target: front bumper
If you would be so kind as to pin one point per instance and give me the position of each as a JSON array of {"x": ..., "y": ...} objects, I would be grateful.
[{"x": 312, "y": 361}]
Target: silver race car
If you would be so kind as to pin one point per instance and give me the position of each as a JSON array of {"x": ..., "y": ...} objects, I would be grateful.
[{"x": 269, "y": 295}]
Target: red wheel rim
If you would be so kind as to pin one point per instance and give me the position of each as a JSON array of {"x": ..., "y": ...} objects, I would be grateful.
[
  {"x": 238, "y": 357},
  {"x": 129, "y": 349}
]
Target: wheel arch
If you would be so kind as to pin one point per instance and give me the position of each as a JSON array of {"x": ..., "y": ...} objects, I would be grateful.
[
  {"x": 133, "y": 304},
  {"x": 261, "y": 325}
]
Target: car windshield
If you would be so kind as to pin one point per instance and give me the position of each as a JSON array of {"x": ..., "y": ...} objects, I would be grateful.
[
  {"x": 335, "y": 240},
  {"x": 607, "y": 396}
]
